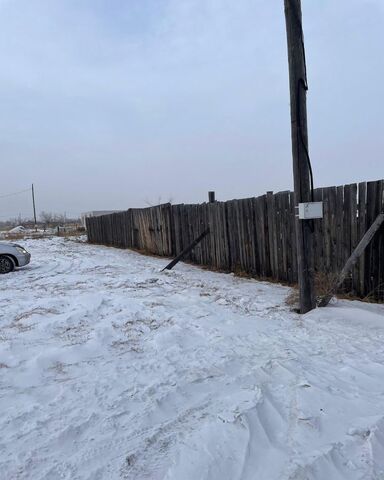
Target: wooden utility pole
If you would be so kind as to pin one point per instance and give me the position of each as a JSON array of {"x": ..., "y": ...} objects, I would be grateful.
[
  {"x": 34, "y": 206},
  {"x": 302, "y": 173}
]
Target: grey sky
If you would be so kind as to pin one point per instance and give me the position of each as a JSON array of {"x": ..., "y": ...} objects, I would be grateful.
[{"x": 110, "y": 103}]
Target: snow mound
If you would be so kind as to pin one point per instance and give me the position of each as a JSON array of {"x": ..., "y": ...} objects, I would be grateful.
[{"x": 18, "y": 229}]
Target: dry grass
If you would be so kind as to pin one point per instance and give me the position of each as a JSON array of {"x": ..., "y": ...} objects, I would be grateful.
[
  {"x": 23, "y": 236},
  {"x": 73, "y": 233},
  {"x": 323, "y": 284},
  {"x": 375, "y": 294},
  {"x": 13, "y": 236},
  {"x": 39, "y": 235}
]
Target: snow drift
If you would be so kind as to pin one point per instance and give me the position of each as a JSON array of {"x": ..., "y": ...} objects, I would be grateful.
[{"x": 111, "y": 369}]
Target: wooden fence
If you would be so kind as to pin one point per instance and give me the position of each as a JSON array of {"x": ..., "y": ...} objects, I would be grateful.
[{"x": 257, "y": 235}]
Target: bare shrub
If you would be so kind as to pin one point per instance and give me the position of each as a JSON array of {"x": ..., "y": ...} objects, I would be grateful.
[
  {"x": 375, "y": 295},
  {"x": 323, "y": 284}
]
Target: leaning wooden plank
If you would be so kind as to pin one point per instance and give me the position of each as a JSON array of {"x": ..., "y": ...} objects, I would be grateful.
[
  {"x": 186, "y": 250},
  {"x": 353, "y": 258}
]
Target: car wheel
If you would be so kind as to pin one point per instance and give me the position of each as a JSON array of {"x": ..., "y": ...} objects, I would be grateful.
[{"x": 6, "y": 264}]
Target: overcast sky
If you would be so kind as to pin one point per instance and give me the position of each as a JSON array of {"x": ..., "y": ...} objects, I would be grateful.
[{"x": 111, "y": 104}]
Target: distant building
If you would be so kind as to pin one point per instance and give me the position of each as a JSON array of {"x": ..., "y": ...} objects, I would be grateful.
[{"x": 96, "y": 213}]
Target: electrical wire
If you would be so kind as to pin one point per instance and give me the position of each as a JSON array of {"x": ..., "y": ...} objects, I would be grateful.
[
  {"x": 302, "y": 84},
  {"x": 14, "y": 215},
  {"x": 15, "y": 193}
]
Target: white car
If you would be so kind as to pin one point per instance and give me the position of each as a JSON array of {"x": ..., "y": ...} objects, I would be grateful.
[{"x": 12, "y": 255}]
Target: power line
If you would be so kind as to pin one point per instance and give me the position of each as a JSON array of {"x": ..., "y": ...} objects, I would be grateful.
[
  {"x": 69, "y": 216},
  {"x": 15, "y": 193},
  {"x": 14, "y": 215}
]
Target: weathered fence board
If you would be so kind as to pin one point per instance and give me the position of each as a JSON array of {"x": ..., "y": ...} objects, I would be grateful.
[{"x": 257, "y": 235}]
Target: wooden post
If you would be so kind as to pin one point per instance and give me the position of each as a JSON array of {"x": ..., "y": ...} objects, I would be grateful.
[
  {"x": 211, "y": 197},
  {"x": 34, "y": 206},
  {"x": 186, "y": 250},
  {"x": 352, "y": 260},
  {"x": 301, "y": 164}
]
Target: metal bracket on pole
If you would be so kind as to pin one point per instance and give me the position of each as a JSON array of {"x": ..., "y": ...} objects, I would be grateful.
[{"x": 310, "y": 210}]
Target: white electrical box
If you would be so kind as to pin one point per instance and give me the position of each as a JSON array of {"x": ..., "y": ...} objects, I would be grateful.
[{"x": 310, "y": 210}]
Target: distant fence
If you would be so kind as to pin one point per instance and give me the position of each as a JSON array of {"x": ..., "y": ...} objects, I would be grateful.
[{"x": 257, "y": 235}]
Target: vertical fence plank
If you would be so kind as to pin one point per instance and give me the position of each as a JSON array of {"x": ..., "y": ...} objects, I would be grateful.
[
  {"x": 272, "y": 234},
  {"x": 369, "y": 252},
  {"x": 374, "y": 207},
  {"x": 380, "y": 254},
  {"x": 318, "y": 240},
  {"x": 354, "y": 235}
]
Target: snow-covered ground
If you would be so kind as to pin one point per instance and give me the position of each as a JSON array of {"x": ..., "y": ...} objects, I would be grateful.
[{"x": 110, "y": 369}]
